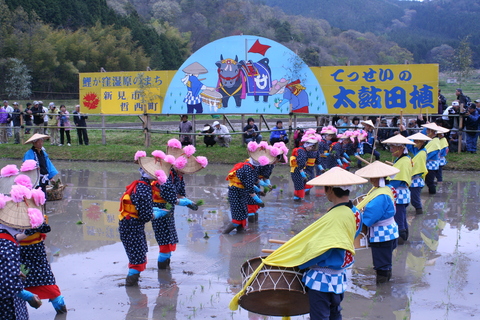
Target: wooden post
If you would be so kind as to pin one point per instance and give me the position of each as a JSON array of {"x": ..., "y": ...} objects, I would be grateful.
[
  {"x": 241, "y": 126},
  {"x": 104, "y": 134},
  {"x": 460, "y": 134},
  {"x": 146, "y": 129}
]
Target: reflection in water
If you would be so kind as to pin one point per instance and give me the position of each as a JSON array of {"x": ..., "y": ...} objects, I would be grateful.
[{"x": 432, "y": 272}]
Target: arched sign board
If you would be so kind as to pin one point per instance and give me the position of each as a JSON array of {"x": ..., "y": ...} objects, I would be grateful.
[{"x": 255, "y": 75}]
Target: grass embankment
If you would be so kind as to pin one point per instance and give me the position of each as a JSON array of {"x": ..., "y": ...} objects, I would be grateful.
[{"x": 122, "y": 145}]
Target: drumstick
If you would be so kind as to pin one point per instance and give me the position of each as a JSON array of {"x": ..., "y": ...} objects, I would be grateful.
[
  {"x": 389, "y": 163},
  {"x": 202, "y": 79},
  {"x": 268, "y": 250},
  {"x": 361, "y": 159},
  {"x": 276, "y": 241}
]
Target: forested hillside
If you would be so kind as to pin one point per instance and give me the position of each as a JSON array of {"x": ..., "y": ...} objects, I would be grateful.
[{"x": 421, "y": 27}]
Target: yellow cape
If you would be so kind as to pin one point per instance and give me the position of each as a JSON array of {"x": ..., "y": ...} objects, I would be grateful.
[
  {"x": 373, "y": 193},
  {"x": 336, "y": 229},
  {"x": 420, "y": 164}
]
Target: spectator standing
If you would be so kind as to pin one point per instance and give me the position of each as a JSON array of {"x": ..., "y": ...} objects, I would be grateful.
[
  {"x": 17, "y": 122},
  {"x": 411, "y": 126},
  {"x": 477, "y": 104},
  {"x": 250, "y": 132},
  {"x": 52, "y": 115},
  {"x": 454, "y": 109},
  {"x": 9, "y": 109},
  {"x": 81, "y": 124},
  {"x": 279, "y": 134},
  {"x": 383, "y": 133},
  {"x": 3, "y": 125},
  {"x": 185, "y": 127},
  {"x": 356, "y": 123},
  {"x": 471, "y": 123},
  {"x": 222, "y": 136},
  {"x": 208, "y": 137},
  {"x": 64, "y": 123},
  {"x": 37, "y": 112},
  {"x": 45, "y": 118},
  {"x": 462, "y": 100},
  {"x": 27, "y": 118},
  {"x": 343, "y": 122},
  {"x": 442, "y": 102}
]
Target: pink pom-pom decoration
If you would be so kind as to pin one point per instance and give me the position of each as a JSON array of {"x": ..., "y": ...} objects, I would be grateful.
[
  {"x": 140, "y": 154},
  {"x": 23, "y": 180},
  {"x": 310, "y": 131},
  {"x": 252, "y": 146},
  {"x": 36, "y": 217},
  {"x": 203, "y": 161},
  {"x": 180, "y": 162},
  {"x": 158, "y": 154},
  {"x": 275, "y": 152},
  {"x": 263, "y": 160},
  {"x": 38, "y": 197},
  {"x": 161, "y": 176},
  {"x": 18, "y": 193},
  {"x": 170, "y": 159},
  {"x": 3, "y": 200},
  {"x": 174, "y": 143},
  {"x": 263, "y": 144},
  {"x": 9, "y": 170},
  {"x": 189, "y": 150},
  {"x": 28, "y": 165}
]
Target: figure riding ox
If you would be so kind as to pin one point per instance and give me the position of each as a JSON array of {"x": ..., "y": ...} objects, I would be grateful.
[{"x": 238, "y": 79}]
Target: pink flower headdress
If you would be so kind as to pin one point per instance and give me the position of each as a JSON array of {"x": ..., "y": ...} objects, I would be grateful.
[{"x": 8, "y": 171}]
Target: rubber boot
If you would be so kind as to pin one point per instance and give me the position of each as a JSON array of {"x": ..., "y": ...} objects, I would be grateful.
[
  {"x": 132, "y": 280},
  {"x": 59, "y": 305},
  {"x": 240, "y": 228},
  {"x": 229, "y": 228},
  {"x": 162, "y": 265},
  {"x": 383, "y": 276},
  {"x": 251, "y": 217}
]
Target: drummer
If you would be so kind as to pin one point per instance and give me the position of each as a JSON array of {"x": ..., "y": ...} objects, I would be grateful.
[
  {"x": 326, "y": 275},
  {"x": 378, "y": 214}
]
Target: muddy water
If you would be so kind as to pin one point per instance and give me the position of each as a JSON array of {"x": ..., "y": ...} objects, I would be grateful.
[{"x": 435, "y": 275}]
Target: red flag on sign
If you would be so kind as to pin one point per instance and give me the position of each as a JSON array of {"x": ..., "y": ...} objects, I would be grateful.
[{"x": 259, "y": 48}]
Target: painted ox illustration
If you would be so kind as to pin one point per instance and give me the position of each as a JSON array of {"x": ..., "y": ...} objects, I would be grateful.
[{"x": 238, "y": 79}]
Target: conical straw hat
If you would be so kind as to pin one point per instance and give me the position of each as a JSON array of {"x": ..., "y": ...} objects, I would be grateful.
[
  {"x": 397, "y": 139},
  {"x": 432, "y": 126},
  {"x": 336, "y": 177},
  {"x": 191, "y": 167},
  {"x": 6, "y": 183},
  {"x": 377, "y": 169},
  {"x": 367, "y": 122},
  {"x": 419, "y": 137},
  {"x": 176, "y": 152},
  {"x": 442, "y": 130},
  {"x": 262, "y": 152},
  {"x": 195, "y": 68},
  {"x": 35, "y": 137},
  {"x": 15, "y": 214},
  {"x": 150, "y": 165}
]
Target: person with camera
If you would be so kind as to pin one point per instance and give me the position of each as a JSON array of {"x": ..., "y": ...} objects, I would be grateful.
[
  {"x": 250, "y": 132},
  {"x": 63, "y": 121},
  {"x": 471, "y": 118}
]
